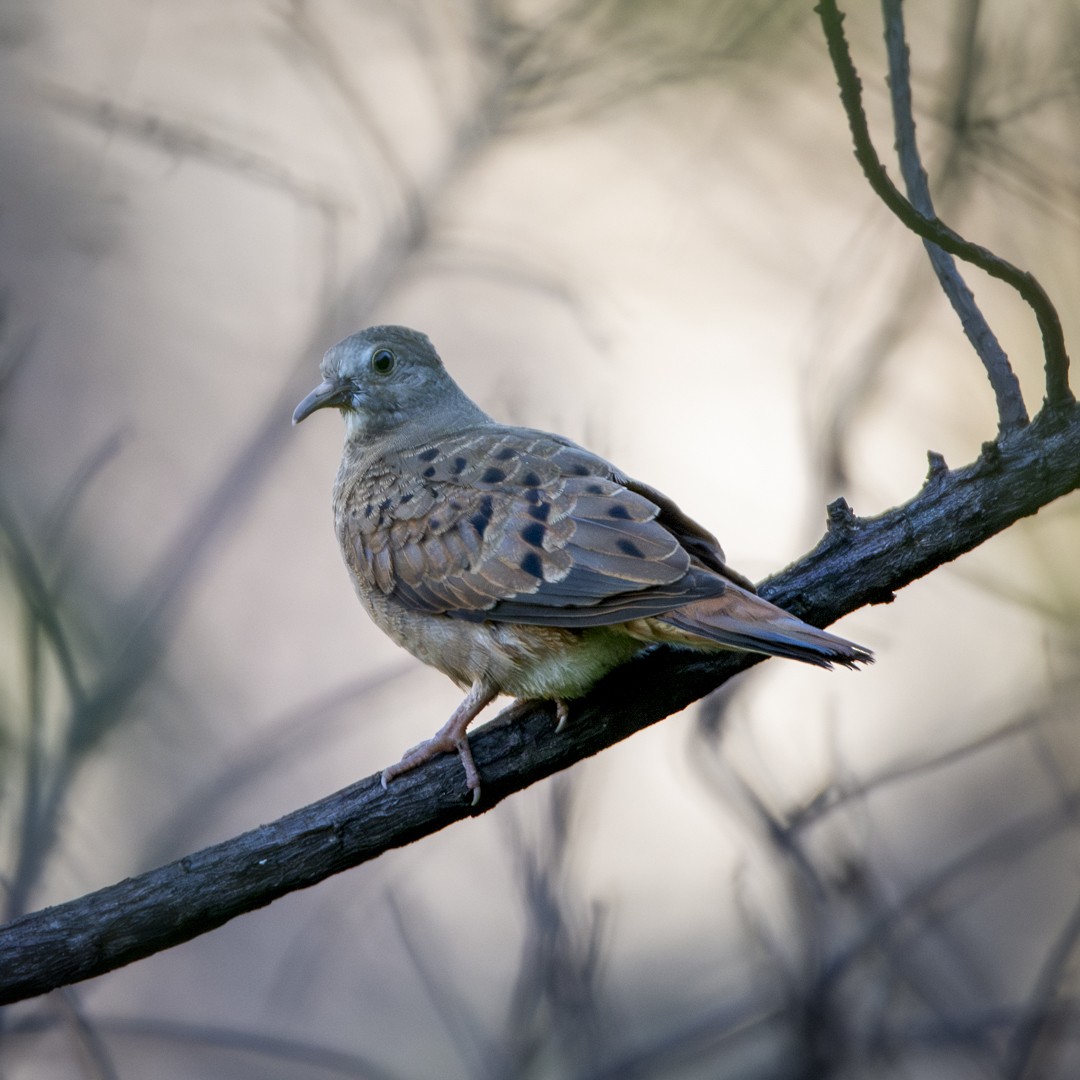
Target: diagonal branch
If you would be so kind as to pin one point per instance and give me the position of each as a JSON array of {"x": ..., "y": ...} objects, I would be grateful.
[
  {"x": 858, "y": 562},
  {"x": 1012, "y": 413}
]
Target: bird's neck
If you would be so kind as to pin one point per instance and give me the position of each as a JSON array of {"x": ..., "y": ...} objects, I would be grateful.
[{"x": 362, "y": 447}]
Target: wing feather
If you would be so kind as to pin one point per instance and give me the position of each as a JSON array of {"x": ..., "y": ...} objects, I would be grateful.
[{"x": 506, "y": 524}]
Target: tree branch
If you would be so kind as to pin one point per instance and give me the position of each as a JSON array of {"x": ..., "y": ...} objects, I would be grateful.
[
  {"x": 1012, "y": 413},
  {"x": 930, "y": 227},
  {"x": 857, "y": 562}
]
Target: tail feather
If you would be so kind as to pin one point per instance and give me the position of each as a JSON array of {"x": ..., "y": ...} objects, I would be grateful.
[{"x": 738, "y": 619}]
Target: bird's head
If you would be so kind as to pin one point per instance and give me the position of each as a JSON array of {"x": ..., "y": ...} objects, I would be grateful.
[{"x": 388, "y": 380}]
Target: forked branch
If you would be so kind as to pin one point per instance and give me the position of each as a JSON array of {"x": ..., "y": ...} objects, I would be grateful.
[{"x": 930, "y": 227}]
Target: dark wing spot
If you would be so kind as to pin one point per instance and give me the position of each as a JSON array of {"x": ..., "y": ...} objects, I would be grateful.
[
  {"x": 407, "y": 497},
  {"x": 429, "y": 472},
  {"x": 530, "y": 479},
  {"x": 369, "y": 510},
  {"x": 459, "y": 465},
  {"x": 628, "y": 547},
  {"x": 493, "y": 476},
  {"x": 594, "y": 489},
  {"x": 617, "y": 510},
  {"x": 533, "y": 533},
  {"x": 482, "y": 518},
  {"x": 541, "y": 512},
  {"x": 505, "y": 454},
  {"x": 531, "y": 565},
  {"x": 430, "y": 454},
  {"x": 385, "y": 505},
  {"x": 433, "y": 524},
  {"x": 580, "y": 470}
]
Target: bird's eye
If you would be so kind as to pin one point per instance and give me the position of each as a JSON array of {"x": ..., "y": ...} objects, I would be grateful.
[{"x": 382, "y": 361}]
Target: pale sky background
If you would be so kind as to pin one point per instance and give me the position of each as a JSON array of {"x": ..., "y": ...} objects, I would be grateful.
[{"x": 197, "y": 199}]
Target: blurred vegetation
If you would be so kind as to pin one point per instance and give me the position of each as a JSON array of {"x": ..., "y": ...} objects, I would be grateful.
[{"x": 907, "y": 914}]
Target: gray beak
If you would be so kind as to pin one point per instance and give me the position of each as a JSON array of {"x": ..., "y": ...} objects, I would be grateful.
[{"x": 327, "y": 393}]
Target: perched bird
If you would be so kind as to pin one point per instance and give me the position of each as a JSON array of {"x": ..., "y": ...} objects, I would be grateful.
[{"x": 513, "y": 560}]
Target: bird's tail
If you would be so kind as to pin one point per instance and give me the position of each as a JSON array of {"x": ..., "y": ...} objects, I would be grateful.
[{"x": 740, "y": 620}]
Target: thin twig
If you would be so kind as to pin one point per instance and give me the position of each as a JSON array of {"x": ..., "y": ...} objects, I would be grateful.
[
  {"x": 839, "y": 794},
  {"x": 277, "y": 1048},
  {"x": 1012, "y": 413},
  {"x": 1058, "y": 392},
  {"x": 433, "y": 966},
  {"x": 918, "y": 904},
  {"x": 189, "y": 141},
  {"x": 39, "y": 599},
  {"x": 1039, "y": 1012},
  {"x": 87, "y": 1037}
]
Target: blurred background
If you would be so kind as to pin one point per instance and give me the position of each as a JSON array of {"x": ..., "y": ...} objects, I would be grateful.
[{"x": 636, "y": 223}]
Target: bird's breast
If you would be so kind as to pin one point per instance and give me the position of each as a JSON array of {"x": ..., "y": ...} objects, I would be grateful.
[{"x": 543, "y": 662}]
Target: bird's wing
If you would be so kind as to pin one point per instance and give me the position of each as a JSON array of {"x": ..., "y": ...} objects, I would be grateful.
[
  {"x": 512, "y": 525},
  {"x": 702, "y": 546}
]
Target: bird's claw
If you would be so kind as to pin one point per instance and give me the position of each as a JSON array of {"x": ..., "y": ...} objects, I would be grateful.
[
  {"x": 562, "y": 716},
  {"x": 431, "y": 749}
]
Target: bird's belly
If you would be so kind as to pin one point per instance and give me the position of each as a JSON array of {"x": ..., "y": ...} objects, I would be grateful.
[{"x": 544, "y": 662}]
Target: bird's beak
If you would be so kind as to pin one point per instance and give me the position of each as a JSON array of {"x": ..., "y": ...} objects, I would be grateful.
[{"x": 327, "y": 393}]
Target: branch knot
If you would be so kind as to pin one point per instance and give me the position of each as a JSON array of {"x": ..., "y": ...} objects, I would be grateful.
[
  {"x": 937, "y": 471},
  {"x": 841, "y": 519}
]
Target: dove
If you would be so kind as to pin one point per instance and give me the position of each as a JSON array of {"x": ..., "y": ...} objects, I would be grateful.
[{"x": 513, "y": 560}]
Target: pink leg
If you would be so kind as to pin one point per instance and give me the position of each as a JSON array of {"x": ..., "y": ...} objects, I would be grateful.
[{"x": 453, "y": 735}]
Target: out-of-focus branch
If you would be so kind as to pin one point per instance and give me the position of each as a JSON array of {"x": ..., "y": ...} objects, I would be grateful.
[
  {"x": 929, "y": 227},
  {"x": 858, "y": 562},
  {"x": 1039, "y": 1010}
]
